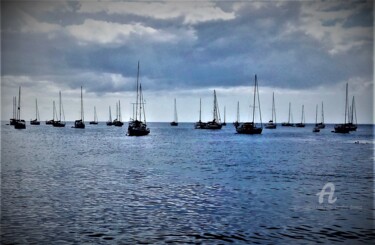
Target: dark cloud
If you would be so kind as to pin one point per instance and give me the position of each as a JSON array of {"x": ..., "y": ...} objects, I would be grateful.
[{"x": 222, "y": 53}]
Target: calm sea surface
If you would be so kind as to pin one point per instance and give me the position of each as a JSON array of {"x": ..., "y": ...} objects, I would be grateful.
[{"x": 180, "y": 185}]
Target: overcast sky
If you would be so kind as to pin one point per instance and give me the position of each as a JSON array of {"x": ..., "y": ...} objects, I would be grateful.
[{"x": 304, "y": 51}]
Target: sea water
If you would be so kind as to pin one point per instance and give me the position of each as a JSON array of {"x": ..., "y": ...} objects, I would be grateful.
[{"x": 182, "y": 185}]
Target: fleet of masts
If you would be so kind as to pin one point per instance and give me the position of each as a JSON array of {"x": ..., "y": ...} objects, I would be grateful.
[{"x": 137, "y": 125}]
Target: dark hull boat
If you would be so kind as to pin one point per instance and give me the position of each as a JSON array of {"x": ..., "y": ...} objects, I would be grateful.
[
  {"x": 236, "y": 124},
  {"x": 211, "y": 125},
  {"x": 58, "y": 123},
  {"x": 175, "y": 121},
  {"x": 316, "y": 129},
  {"x": 199, "y": 125},
  {"x": 110, "y": 123},
  {"x": 13, "y": 120},
  {"x": 320, "y": 125},
  {"x": 95, "y": 122},
  {"x": 34, "y": 122},
  {"x": 117, "y": 122},
  {"x": 50, "y": 122},
  {"x": 250, "y": 127},
  {"x": 344, "y": 128},
  {"x": 138, "y": 127},
  {"x": 215, "y": 124},
  {"x": 19, "y": 123},
  {"x": 80, "y": 122},
  {"x": 300, "y": 125},
  {"x": 271, "y": 124},
  {"x": 288, "y": 124}
]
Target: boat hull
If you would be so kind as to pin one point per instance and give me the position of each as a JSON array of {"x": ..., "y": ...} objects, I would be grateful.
[
  {"x": 79, "y": 124},
  {"x": 118, "y": 123},
  {"x": 138, "y": 128},
  {"x": 109, "y": 123},
  {"x": 174, "y": 123},
  {"x": 300, "y": 125},
  {"x": 316, "y": 130},
  {"x": 34, "y": 122},
  {"x": 95, "y": 123},
  {"x": 248, "y": 128},
  {"x": 50, "y": 122},
  {"x": 12, "y": 121},
  {"x": 287, "y": 125},
  {"x": 20, "y": 124},
  {"x": 271, "y": 126},
  {"x": 58, "y": 124},
  {"x": 342, "y": 129}
]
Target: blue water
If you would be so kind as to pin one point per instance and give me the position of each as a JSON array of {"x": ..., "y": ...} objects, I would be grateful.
[{"x": 181, "y": 185}]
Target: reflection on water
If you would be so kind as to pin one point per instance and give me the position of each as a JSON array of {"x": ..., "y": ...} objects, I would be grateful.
[{"x": 180, "y": 185}]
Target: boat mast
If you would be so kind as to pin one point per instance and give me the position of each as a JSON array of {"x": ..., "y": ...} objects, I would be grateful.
[
  {"x": 19, "y": 104},
  {"x": 322, "y": 114},
  {"x": 289, "y": 114},
  {"x": 54, "y": 111},
  {"x": 175, "y": 111},
  {"x": 224, "y": 114},
  {"x": 110, "y": 114},
  {"x": 354, "y": 111},
  {"x": 82, "y": 114},
  {"x": 119, "y": 111},
  {"x": 200, "y": 109},
  {"x": 14, "y": 107},
  {"x": 260, "y": 111},
  {"x": 214, "y": 112},
  {"x": 60, "y": 104},
  {"x": 136, "y": 107},
  {"x": 255, "y": 84},
  {"x": 302, "y": 114},
  {"x": 316, "y": 115},
  {"x": 346, "y": 102},
  {"x": 238, "y": 111}
]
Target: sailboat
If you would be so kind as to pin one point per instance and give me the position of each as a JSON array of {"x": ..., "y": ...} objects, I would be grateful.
[
  {"x": 224, "y": 123},
  {"x": 343, "y": 128},
  {"x": 36, "y": 120},
  {"x": 352, "y": 117},
  {"x": 216, "y": 122},
  {"x": 272, "y": 123},
  {"x": 316, "y": 129},
  {"x": 110, "y": 123},
  {"x": 251, "y": 127},
  {"x": 58, "y": 123},
  {"x": 95, "y": 117},
  {"x": 50, "y": 122},
  {"x": 321, "y": 125},
  {"x": 19, "y": 123},
  {"x": 288, "y": 124},
  {"x": 237, "y": 122},
  {"x": 80, "y": 122},
  {"x": 118, "y": 121},
  {"x": 302, "y": 123},
  {"x": 12, "y": 121},
  {"x": 200, "y": 124},
  {"x": 136, "y": 126},
  {"x": 175, "y": 121}
]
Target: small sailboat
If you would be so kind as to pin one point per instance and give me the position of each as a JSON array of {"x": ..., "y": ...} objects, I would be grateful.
[
  {"x": 80, "y": 122},
  {"x": 118, "y": 121},
  {"x": 136, "y": 126},
  {"x": 251, "y": 127},
  {"x": 200, "y": 124},
  {"x": 224, "y": 123},
  {"x": 110, "y": 123},
  {"x": 321, "y": 125},
  {"x": 237, "y": 122},
  {"x": 175, "y": 121},
  {"x": 272, "y": 123},
  {"x": 95, "y": 122},
  {"x": 216, "y": 121},
  {"x": 19, "y": 123},
  {"x": 316, "y": 129},
  {"x": 12, "y": 121},
  {"x": 50, "y": 122},
  {"x": 58, "y": 123},
  {"x": 343, "y": 128},
  {"x": 352, "y": 117},
  {"x": 288, "y": 124},
  {"x": 302, "y": 123},
  {"x": 36, "y": 120}
]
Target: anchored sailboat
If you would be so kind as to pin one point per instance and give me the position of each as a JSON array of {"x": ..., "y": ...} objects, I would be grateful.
[
  {"x": 12, "y": 121},
  {"x": 95, "y": 122},
  {"x": 199, "y": 124},
  {"x": 316, "y": 129},
  {"x": 302, "y": 123},
  {"x": 251, "y": 127},
  {"x": 19, "y": 123},
  {"x": 272, "y": 123},
  {"x": 352, "y": 117},
  {"x": 136, "y": 126},
  {"x": 224, "y": 123},
  {"x": 321, "y": 125},
  {"x": 288, "y": 124},
  {"x": 80, "y": 123},
  {"x": 175, "y": 121},
  {"x": 237, "y": 122},
  {"x": 36, "y": 120},
  {"x": 58, "y": 123},
  {"x": 118, "y": 121},
  {"x": 343, "y": 128},
  {"x": 216, "y": 122}
]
